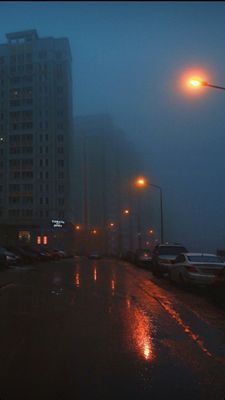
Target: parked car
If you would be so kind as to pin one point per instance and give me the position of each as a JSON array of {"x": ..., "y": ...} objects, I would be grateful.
[
  {"x": 27, "y": 257},
  {"x": 61, "y": 253},
  {"x": 143, "y": 258},
  {"x": 217, "y": 289},
  {"x": 11, "y": 258},
  {"x": 196, "y": 268},
  {"x": 3, "y": 261},
  {"x": 94, "y": 255},
  {"x": 163, "y": 256},
  {"x": 40, "y": 256}
]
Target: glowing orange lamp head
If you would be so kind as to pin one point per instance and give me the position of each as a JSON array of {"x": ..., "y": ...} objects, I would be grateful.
[
  {"x": 126, "y": 211},
  {"x": 141, "y": 182}
]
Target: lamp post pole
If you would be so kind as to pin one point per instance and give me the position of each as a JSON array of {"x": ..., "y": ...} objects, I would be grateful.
[
  {"x": 161, "y": 213},
  {"x": 85, "y": 194},
  {"x": 139, "y": 221}
]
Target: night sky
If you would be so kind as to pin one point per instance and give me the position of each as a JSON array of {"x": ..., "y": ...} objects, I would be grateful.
[{"x": 128, "y": 60}]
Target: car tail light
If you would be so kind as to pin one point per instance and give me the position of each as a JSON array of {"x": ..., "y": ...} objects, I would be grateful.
[{"x": 192, "y": 269}]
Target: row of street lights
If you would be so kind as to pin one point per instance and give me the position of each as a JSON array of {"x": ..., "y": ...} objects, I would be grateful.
[{"x": 140, "y": 183}]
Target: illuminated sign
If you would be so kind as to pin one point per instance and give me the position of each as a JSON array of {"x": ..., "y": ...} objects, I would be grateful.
[{"x": 57, "y": 223}]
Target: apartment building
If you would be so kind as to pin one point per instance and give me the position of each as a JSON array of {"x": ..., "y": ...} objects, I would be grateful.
[{"x": 36, "y": 138}]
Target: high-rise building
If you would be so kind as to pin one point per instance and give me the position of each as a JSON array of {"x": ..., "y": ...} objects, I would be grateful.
[
  {"x": 36, "y": 128},
  {"x": 106, "y": 162}
]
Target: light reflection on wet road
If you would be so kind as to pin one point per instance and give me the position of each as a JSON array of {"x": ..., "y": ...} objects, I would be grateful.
[{"x": 84, "y": 329}]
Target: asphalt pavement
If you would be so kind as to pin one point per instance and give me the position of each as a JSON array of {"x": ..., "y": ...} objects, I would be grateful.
[{"x": 86, "y": 329}]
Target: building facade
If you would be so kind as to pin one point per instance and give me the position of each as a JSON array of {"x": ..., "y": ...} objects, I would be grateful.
[{"x": 36, "y": 138}]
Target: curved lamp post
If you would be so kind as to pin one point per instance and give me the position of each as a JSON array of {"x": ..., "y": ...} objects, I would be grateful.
[{"x": 198, "y": 82}]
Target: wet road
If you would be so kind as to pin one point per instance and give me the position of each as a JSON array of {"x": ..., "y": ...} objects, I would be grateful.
[{"x": 83, "y": 329}]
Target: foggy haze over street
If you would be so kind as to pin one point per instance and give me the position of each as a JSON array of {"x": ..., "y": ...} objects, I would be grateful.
[{"x": 128, "y": 58}]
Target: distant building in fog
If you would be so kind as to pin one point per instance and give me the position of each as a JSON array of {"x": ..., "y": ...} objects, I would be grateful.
[
  {"x": 35, "y": 137},
  {"x": 111, "y": 162}
]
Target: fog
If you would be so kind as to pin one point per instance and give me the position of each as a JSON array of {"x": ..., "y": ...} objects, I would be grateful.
[{"x": 128, "y": 59}]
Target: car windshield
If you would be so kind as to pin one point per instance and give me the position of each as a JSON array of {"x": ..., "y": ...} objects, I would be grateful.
[
  {"x": 206, "y": 259},
  {"x": 171, "y": 250}
]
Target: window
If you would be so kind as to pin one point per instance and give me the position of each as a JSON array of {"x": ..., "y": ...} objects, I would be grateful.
[
  {"x": 14, "y": 150},
  {"x": 20, "y": 68},
  {"x": 14, "y": 213},
  {"x": 27, "y": 174},
  {"x": 14, "y": 199},
  {"x": 60, "y": 138},
  {"x": 28, "y": 200},
  {"x": 59, "y": 55},
  {"x": 28, "y": 57},
  {"x": 28, "y": 163},
  {"x": 24, "y": 235},
  {"x": 27, "y": 138},
  {"x": 20, "y": 58},
  {"x": 61, "y": 175},
  {"x": 27, "y": 213},
  {"x": 42, "y": 54},
  {"x": 27, "y": 149},
  {"x": 28, "y": 187},
  {"x": 14, "y": 187},
  {"x": 29, "y": 67},
  {"x": 61, "y": 201}
]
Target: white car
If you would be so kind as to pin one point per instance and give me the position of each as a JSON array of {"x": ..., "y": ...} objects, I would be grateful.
[{"x": 196, "y": 268}]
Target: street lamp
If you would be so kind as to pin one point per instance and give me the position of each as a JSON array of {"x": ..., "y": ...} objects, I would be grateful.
[
  {"x": 140, "y": 183},
  {"x": 127, "y": 213},
  {"x": 198, "y": 82}
]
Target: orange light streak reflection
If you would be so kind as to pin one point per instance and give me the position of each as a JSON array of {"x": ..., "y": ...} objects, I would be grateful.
[
  {"x": 95, "y": 274},
  {"x": 77, "y": 279},
  {"x": 113, "y": 284},
  {"x": 140, "y": 329}
]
